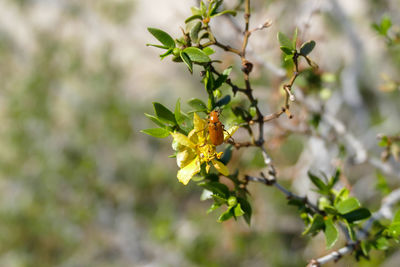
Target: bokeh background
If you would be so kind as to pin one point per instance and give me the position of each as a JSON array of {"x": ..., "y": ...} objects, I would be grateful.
[{"x": 81, "y": 186}]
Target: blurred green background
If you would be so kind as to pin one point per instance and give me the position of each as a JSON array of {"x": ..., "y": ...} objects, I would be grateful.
[{"x": 81, "y": 186}]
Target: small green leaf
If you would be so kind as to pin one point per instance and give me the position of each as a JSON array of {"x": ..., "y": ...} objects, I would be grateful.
[
  {"x": 194, "y": 32},
  {"x": 167, "y": 53},
  {"x": 334, "y": 179},
  {"x": 208, "y": 51},
  {"x": 317, "y": 182},
  {"x": 384, "y": 142},
  {"x": 156, "y": 132},
  {"x": 307, "y": 47},
  {"x": 246, "y": 207},
  {"x": 396, "y": 217},
  {"x": 178, "y": 115},
  {"x": 217, "y": 188},
  {"x": 155, "y": 120},
  {"x": 226, "y": 157},
  {"x": 394, "y": 229},
  {"x": 287, "y": 50},
  {"x": 213, "y": 207},
  {"x": 382, "y": 184},
  {"x": 195, "y": 10},
  {"x": 225, "y": 216},
  {"x": 315, "y": 226},
  {"x": 158, "y": 46},
  {"x": 238, "y": 211},
  {"x": 331, "y": 233},
  {"x": 163, "y": 37},
  {"x": 350, "y": 230},
  {"x": 191, "y": 18},
  {"x": 347, "y": 205},
  {"x": 357, "y": 215},
  {"x": 164, "y": 114},
  {"x": 294, "y": 39},
  {"x": 288, "y": 57},
  {"x": 382, "y": 243},
  {"x": 386, "y": 23},
  {"x": 365, "y": 247},
  {"x": 223, "y": 101},
  {"x": 230, "y": 12},
  {"x": 222, "y": 78},
  {"x": 285, "y": 41},
  {"x": 196, "y": 55},
  {"x": 342, "y": 195},
  {"x": 197, "y": 104},
  {"x": 185, "y": 58}
]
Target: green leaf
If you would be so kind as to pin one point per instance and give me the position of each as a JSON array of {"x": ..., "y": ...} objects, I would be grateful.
[
  {"x": 230, "y": 12},
  {"x": 194, "y": 32},
  {"x": 294, "y": 39},
  {"x": 223, "y": 101},
  {"x": 163, "y": 37},
  {"x": 215, "y": 7},
  {"x": 315, "y": 226},
  {"x": 208, "y": 51},
  {"x": 382, "y": 184},
  {"x": 331, "y": 233},
  {"x": 246, "y": 207},
  {"x": 222, "y": 78},
  {"x": 238, "y": 210},
  {"x": 357, "y": 215},
  {"x": 164, "y": 114},
  {"x": 382, "y": 243},
  {"x": 178, "y": 115},
  {"x": 347, "y": 205},
  {"x": 307, "y": 47},
  {"x": 386, "y": 23},
  {"x": 155, "y": 120},
  {"x": 342, "y": 195},
  {"x": 351, "y": 231},
  {"x": 213, "y": 207},
  {"x": 203, "y": 8},
  {"x": 185, "y": 58},
  {"x": 288, "y": 57},
  {"x": 158, "y": 46},
  {"x": 285, "y": 41},
  {"x": 225, "y": 216},
  {"x": 334, "y": 179},
  {"x": 384, "y": 142},
  {"x": 197, "y": 104},
  {"x": 317, "y": 182},
  {"x": 287, "y": 50},
  {"x": 365, "y": 247},
  {"x": 191, "y": 18},
  {"x": 196, "y": 55},
  {"x": 394, "y": 230},
  {"x": 226, "y": 157},
  {"x": 156, "y": 132},
  {"x": 195, "y": 10},
  {"x": 396, "y": 217},
  {"x": 167, "y": 53},
  {"x": 217, "y": 188}
]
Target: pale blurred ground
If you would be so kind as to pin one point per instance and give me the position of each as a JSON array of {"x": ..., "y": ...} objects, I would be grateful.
[{"x": 80, "y": 186}]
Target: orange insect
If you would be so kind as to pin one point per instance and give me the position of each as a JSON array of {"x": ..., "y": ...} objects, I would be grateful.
[{"x": 215, "y": 129}]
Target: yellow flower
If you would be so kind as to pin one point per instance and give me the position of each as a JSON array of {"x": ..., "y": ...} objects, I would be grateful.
[{"x": 195, "y": 149}]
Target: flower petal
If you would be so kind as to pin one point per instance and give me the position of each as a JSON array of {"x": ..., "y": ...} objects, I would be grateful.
[
  {"x": 184, "y": 157},
  {"x": 186, "y": 173},
  {"x": 199, "y": 124},
  {"x": 220, "y": 167},
  {"x": 228, "y": 133},
  {"x": 182, "y": 140}
]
